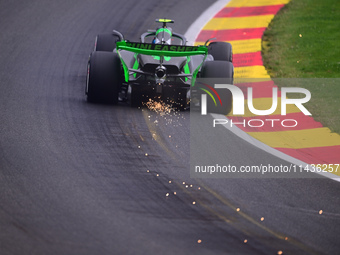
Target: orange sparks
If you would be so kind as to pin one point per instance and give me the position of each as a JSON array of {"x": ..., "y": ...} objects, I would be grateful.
[
  {"x": 164, "y": 110},
  {"x": 158, "y": 107}
]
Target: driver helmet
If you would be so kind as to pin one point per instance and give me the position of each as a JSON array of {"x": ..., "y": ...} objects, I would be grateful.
[{"x": 163, "y": 36}]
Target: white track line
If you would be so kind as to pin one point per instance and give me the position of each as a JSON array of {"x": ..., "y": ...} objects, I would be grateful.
[
  {"x": 191, "y": 34},
  {"x": 193, "y": 31}
]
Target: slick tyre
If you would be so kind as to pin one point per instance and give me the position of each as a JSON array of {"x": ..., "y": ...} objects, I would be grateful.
[
  {"x": 104, "y": 78},
  {"x": 106, "y": 42},
  {"x": 219, "y": 69},
  {"x": 136, "y": 96},
  {"x": 221, "y": 51}
]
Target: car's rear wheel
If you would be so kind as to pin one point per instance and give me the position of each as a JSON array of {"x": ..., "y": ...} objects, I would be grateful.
[
  {"x": 221, "y": 51},
  {"x": 106, "y": 42},
  {"x": 182, "y": 100},
  {"x": 219, "y": 69},
  {"x": 136, "y": 97},
  {"x": 104, "y": 77}
]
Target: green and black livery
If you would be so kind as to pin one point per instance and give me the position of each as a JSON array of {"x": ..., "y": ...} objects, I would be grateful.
[{"x": 160, "y": 67}]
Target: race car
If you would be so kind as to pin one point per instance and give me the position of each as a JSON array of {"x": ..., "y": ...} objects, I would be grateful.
[{"x": 159, "y": 67}]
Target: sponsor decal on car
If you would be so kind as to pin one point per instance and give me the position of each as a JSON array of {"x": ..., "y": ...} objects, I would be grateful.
[{"x": 162, "y": 47}]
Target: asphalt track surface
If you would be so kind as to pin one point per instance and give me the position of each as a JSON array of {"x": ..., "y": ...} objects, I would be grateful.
[{"x": 73, "y": 175}]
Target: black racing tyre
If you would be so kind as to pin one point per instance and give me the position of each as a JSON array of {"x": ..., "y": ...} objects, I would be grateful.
[
  {"x": 106, "y": 42},
  {"x": 221, "y": 51},
  {"x": 104, "y": 77},
  {"x": 219, "y": 69},
  {"x": 136, "y": 96}
]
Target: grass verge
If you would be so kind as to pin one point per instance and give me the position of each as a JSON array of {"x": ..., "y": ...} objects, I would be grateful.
[{"x": 303, "y": 41}]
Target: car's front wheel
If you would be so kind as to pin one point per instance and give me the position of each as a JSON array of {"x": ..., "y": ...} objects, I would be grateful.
[{"x": 221, "y": 51}]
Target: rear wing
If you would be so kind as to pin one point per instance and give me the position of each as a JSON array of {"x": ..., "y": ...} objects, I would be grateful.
[{"x": 161, "y": 50}]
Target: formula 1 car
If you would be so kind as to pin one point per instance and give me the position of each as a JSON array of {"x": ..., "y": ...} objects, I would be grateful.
[{"x": 160, "y": 67}]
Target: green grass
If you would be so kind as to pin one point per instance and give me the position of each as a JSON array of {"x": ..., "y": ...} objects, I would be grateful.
[{"x": 303, "y": 41}]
